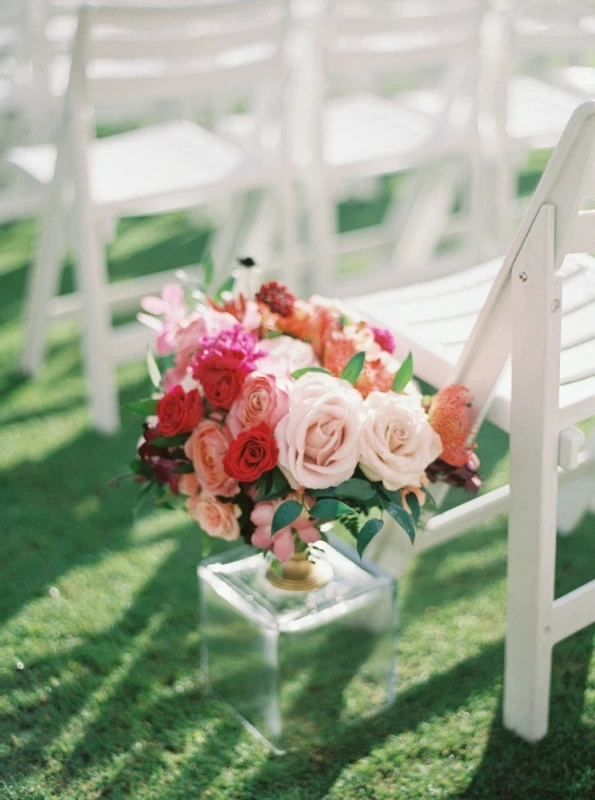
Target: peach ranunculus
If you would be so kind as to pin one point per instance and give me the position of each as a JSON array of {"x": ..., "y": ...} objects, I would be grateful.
[
  {"x": 264, "y": 398},
  {"x": 188, "y": 484},
  {"x": 285, "y": 355},
  {"x": 214, "y": 517},
  {"x": 205, "y": 448},
  {"x": 281, "y": 542},
  {"x": 397, "y": 442},
  {"x": 318, "y": 437}
]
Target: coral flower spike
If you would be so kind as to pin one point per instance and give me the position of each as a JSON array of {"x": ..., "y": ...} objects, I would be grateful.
[{"x": 453, "y": 418}]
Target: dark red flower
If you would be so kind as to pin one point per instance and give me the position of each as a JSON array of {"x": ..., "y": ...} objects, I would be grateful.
[
  {"x": 179, "y": 411},
  {"x": 277, "y": 297},
  {"x": 161, "y": 460},
  {"x": 251, "y": 453}
]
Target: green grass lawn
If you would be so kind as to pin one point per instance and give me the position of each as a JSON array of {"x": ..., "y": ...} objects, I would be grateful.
[{"x": 99, "y": 636}]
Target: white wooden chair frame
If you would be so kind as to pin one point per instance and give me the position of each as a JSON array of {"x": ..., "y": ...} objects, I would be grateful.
[
  {"x": 446, "y": 36},
  {"x": 545, "y": 455},
  {"x": 72, "y": 210}
]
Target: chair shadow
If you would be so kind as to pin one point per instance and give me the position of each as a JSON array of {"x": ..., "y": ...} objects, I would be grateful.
[{"x": 513, "y": 768}]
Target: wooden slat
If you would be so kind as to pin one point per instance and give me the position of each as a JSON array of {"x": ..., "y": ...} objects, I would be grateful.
[
  {"x": 129, "y": 342},
  {"x": 573, "y": 611},
  {"x": 583, "y": 238}
]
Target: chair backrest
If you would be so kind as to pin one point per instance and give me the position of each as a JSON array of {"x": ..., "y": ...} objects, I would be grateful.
[
  {"x": 152, "y": 51},
  {"x": 553, "y": 26},
  {"x": 565, "y": 187},
  {"x": 403, "y": 44}
]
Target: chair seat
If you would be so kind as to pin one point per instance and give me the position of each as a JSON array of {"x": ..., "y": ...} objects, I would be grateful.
[
  {"x": 364, "y": 135},
  {"x": 537, "y": 111},
  {"x": 167, "y": 164},
  {"x": 434, "y": 320}
]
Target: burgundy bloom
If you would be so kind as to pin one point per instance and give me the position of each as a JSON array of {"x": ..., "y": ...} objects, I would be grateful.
[
  {"x": 277, "y": 297},
  {"x": 384, "y": 339},
  {"x": 222, "y": 362},
  {"x": 463, "y": 477},
  {"x": 160, "y": 459}
]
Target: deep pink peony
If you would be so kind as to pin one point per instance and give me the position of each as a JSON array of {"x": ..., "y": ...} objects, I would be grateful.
[
  {"x": 223, "y": 361},
  {"x": 384, "y": 339}
]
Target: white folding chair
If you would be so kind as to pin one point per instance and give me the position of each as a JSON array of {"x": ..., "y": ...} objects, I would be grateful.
[
  {"x": 17, "y": 105},
  {"x": 392, "y": 88},
  {"x": 143, "y": 53},
  {"x": 532, "y": 61},
  {"x": 536, "y": 311}
]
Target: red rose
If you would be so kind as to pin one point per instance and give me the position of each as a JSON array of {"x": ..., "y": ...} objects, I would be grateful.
[
  {"x": 222, "y": 386},
  {"x": 251, "y": 453},
  {"x": 179, "y": 411}
]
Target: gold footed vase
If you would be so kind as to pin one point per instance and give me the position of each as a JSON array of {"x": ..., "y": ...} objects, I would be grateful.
[{"x": 301, "y": 573}]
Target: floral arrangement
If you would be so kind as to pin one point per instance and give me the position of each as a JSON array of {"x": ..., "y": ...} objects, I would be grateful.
[{"x": 275, "y": 415}]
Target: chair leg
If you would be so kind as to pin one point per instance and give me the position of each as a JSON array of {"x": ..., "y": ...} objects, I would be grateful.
[
  {"x": 43, "y": 284},
  {"x": 227, "y": 240},
  {"x": 533, "y": 481},
  {"x": 287, "y": 214},
  {"x": 99, "y": 361},
  {"x": 323, "y": 230}
]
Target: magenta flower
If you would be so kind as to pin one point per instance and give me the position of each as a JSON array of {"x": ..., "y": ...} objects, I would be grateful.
[
  {"x": 384, "y": 339},
  {"x": 223, "y": 361}
]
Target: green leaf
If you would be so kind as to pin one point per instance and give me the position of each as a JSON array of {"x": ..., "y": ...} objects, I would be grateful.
[
  {"x": 330, "y": 508},
  {"x": 299, "y": 372},
  {"x": 170, "y": 441},
  {"x": 404, "y": 374},
  {"x": 208, "y": 270},
  {"x": 413, "y": 503},
  {"x": 140, "y": 467},
  {"x": 367, "y": 533},
  {"x": 393, "y": 496},
  {"x": 183, "y": 469},
  {"x": 154, "y": 373},
  {"x": 356, "y": 489},
  {"x": 429, "y": 499},
  {"x": 353, "y": 368},
  {"x": 285, "y": 514},
  {"x": 144, "y": 408},
  {"x": 273, "y": 334},
  {"x": 402, "y": 518}
]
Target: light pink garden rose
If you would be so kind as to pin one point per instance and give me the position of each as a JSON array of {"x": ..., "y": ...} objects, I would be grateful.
[
  {"x": 264, "y": 398},
  {"x": 285, "y": 355},
  {"x": 215, "y": 518},
  {"x": 281, "y": 543},
  {"x": 205, "y": 448},
  {"x": 318, "y": 437},
  {"x": 397, "y": 442}
]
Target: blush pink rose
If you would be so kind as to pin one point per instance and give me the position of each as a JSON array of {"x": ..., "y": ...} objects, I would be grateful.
[
  {"x": 318, "y": 437},
  {"x": 281, "y": 542},
  {"x": 214, "y": 517},
  {"x": 397, "y": 442},
  {"x": 285, "y": 355},
  {"x": 264, "y": 398},
  {"x": 206, "y": 448}
]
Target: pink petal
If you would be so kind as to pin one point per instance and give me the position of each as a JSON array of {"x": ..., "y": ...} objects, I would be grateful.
[
  {"x": 262, "y": 514},
  {"x": 262, "y": 537},
  {"x": 283, "y": 544},
  {"x": 308, "y": 534},
  {"x": 154, "y": 305},
  {"x": 173, "y": 295}
]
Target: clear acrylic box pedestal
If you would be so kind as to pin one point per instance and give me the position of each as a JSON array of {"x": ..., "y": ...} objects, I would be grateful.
[{"x": 298, "y": 666}]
